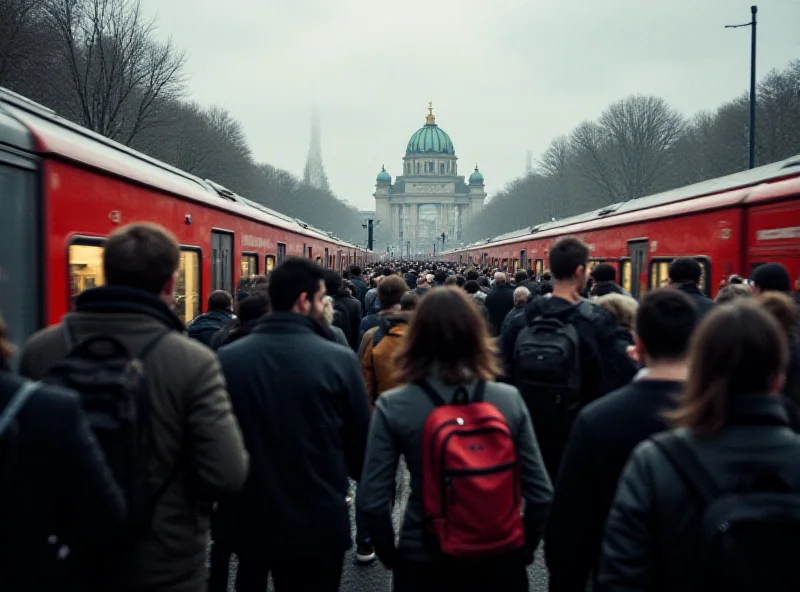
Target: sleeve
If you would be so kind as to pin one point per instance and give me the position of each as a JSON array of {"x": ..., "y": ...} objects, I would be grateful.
[
  {"x": 618, "y": 369},
  {"x": 368, "y": 369},
  {"x": 375, "y": 490},
  {"x": 628, "y": 558},
  {"x": 356, "y": 418},
  {"x": 508, "y": 339},
  {"x": 574, "y": 529},
  {"x": 366, "y": 339},
  {"x": 218, "y": 455},
  {"x": 97, "y": 503},
  {"x": 536, "y": 487}
]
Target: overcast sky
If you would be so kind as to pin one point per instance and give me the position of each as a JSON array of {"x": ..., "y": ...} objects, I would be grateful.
[{"x": 504, "y": 76}]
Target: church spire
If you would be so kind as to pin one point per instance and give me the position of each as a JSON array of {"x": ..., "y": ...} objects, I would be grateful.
[{"x": 314, "y": 171}]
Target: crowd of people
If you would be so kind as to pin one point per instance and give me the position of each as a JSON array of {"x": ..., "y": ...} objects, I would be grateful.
[{"x": 651, "y": 445}]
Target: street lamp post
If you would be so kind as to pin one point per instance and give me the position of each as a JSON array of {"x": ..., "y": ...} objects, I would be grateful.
[{"x": 752, "y": 25}]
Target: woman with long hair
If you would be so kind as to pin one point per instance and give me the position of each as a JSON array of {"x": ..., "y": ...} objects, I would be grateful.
[
  {"x": 732, "y": 438},
  {"x": 447, "y": 358}
]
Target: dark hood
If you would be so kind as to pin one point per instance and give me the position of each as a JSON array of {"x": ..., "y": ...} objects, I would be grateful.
[
  {"x": 292, "y": 322},
  {"x": 110, "y": 299},
  {"x": 553, "y": 306}
]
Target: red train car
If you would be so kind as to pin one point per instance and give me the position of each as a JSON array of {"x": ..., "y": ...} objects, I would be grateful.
[
  {"x": 63, "y": 189},
  {"x": 730, "y": 225}
]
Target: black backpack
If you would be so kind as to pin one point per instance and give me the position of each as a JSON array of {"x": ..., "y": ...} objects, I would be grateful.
[
  {"x": 547, "y": 363},
  {"x": 115, "y": 398},
  {"x": 750, "y": 536}
]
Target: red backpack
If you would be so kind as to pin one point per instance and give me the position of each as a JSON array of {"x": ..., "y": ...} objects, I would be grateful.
[{"x": 470, "y": 477}]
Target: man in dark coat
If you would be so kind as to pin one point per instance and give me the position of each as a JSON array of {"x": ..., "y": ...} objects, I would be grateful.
[
  {"x": 358, "y": 282},
  {"x": 220, "y": 310},
  {"x": 605, "y": 278},
  {"x": 302, "y": 405},
  {"x": 349, "y": 308},
  {"x": 499, "y": 302},
  {"x": 684, "y": 275},
  {"x": 606, "y": 432}
]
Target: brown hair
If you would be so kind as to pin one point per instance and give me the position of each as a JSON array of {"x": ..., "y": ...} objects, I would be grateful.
[
  {"x": 738, "y": 349},
  {"x": 391, "y": 290},
  {"x": 448, "y": 333},
  {"x": 142, "y": 256},
  {"x": 782, "y": 307},
  {"x": 622, "y": 308},
  {"x": 6, "y": 349},
  {"x": 733, "y": 292}
]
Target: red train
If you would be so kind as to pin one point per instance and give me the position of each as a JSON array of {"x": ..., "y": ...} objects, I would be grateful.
[
  {"x": 63, "y": 189},
  {"x": 730, "y": 225}
]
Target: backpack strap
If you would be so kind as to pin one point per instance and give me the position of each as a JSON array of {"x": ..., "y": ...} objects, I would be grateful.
[
  {"x": 16, "y": 404},
  {"x": 687, "y": 465},
  {"x": 435, "y": 397},
  {"x": 150, "y": 345},
  {"x": 461, "y": 396},
  {"x": 69, "y": 335},
  {"x": 480, "y": 390}
]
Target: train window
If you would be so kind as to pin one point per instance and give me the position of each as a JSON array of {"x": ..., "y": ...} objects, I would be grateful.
[
  {"x": 705, "y": 268},
  {"x": 222, "y": 261},
  {"x": 659, "y": 272},
  {"x": 269, "y": 263},
  {"x": 523, "y": 259},
  {"x": 318, "y": 260},
  {"x": 249, "y": 265},
  {"x": 625, "y": 274},
  {"x": 187, "y": 286},
  {"x": 504, "y": 265},
  {"x": 281, "y": 253},
  {"x": 20, "y": 291},
  {"x": 327, "y": 259},
  {"x": 539, "y": 267},
  {"x": 85, "y": 268}
]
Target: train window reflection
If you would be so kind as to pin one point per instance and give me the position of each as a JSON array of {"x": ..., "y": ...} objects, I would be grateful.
[
  {"x": 269, "y": 264},
  {"x": 625, "y": 274},
  {"x": 85, "y": 268},
  {"x": 187, "y": 286},
  {"x": 249, "y": 265}
]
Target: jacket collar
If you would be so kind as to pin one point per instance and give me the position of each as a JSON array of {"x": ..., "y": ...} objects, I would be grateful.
[
  {"x": 292, "y": 322},
  {"x": 757, "y": 409},
  {"x": 689, "y": 288},
  {"x": 115, "y": 299}
]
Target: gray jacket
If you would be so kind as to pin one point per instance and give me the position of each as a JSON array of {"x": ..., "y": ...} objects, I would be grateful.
[{"x": 396, "y": 429}]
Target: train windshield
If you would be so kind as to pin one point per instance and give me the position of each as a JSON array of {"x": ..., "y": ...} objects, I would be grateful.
[{"x": 19, "y": 256}]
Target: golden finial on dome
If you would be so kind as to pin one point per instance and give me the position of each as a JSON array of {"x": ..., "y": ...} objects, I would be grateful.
[{"x": 430, "y": 119}]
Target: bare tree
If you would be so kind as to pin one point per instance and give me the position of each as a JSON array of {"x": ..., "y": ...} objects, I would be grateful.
[
  {"x": 119, "y": 71},
  {"x": 15, "y": 18}
]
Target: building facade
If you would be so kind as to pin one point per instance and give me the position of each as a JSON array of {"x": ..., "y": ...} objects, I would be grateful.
[{"x": 430, "y": 198}]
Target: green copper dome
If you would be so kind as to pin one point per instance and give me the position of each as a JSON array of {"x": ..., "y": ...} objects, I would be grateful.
[
  {"x": 476, "y": 178},
  {"x": 383, "y": 176},
  {"x": 430, "y": 139}
]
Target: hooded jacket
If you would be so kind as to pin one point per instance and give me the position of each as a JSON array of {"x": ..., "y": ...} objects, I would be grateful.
[{"x": 378, "y": 360}]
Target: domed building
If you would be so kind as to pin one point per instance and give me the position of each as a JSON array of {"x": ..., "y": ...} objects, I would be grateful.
[{"x": 430, "y": 197}]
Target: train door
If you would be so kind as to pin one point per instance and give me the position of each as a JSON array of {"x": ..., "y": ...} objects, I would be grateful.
[
  {"x": 221, "y": 261},
  {"x": 637, "y": 249},
  {"x": 327, "y": 260},
  {"x": 281, "y": 253},
  {"x": 523, "y": 259}
]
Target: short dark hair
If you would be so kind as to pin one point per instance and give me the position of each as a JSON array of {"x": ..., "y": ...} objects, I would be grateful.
[
  {"x": 333, "y": 282},
  {"x": 567, "y": 255},
  {"x": 685, "y": 269},
  {"x": 665, "y": 322},
  {"x": 460, "y": 281},
  {"x": 520, "y": 277},
  {"x": 440, "y": 275},
  {"x": 387, "y": 271},
  {"x": 472, "y": 274},
  {"x": 290, "y": 279},
  {"x": 219, "y": 300},
  {"x": 409, "y": 301},
  {"x": 254, "y": 306},
  {"x": 472, "y": 287},
  {"x": 604, "y": 272},
  {"x": 355, "y": 270},
  {"x": 143, "y": 256},
  {"x": 451, "y": 281},
  {"x": 391, "y": 290}
]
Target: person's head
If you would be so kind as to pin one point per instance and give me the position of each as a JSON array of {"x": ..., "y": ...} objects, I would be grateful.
[
  {"x": 255, "y": 306},
  {"x": 6, "y": 349},
  {"x": 448, "y": 335},
  {"x": 735, "y": 279},
  {"x": 684, "y": 270},
  {"x": 355, "y": 270},
  {"x": 782, "y": 307},
  {"x": 472, "y": 287},
  {"x": 327, "y": 310},
  {"x": 259, "y": 280},
  {"x": 604, "y": 272},
  {"x": 547, "y": 276},
  {"x": 665, "y": 322},
  {"x": 440, "y": 276},
  {"x": 422, "y": 281},
  {"x": 143, "y": 256},
  {"x": 390, "y": 291},
  {"x": 429, "y": 278},
  {"x": 622, "y": 308},
  {"x": 520, "y": 277},
  {"x": 521, "y": 294},
  {"x": 409, "y": 302},
  {"x": 483, "y": 281},
  {"x": 387, "y": 271},
  {"x": 733, "y": 292},
  {"x": 451, "y": 281},
  {"x": 739, "y": 349},
  {"x": 567, "y": 259},
  {"x": 297, "y": 285},
  {"x": 499, "y": 278},
  {"x": 472, "y": 274},
  {"x": 460, "y": 280},
  {"x": 333, "y": 282},
  {"x": 220, "y": 300},
  {"x": 771, "y": 277}
]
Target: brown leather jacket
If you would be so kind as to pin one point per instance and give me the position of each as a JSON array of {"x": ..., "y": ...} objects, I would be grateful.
[
  {"x": 193, "y": 425},
  {"x": 377, "y": 363}
]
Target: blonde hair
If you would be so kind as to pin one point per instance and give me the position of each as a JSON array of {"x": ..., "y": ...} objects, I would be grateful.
[
  {"x": 327, "y": 310},
  {"x": 622, "y": 308}
]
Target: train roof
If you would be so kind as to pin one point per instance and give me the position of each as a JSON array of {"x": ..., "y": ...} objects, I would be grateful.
[
  {"x": 31, "y": 127},
  {"x": 721, "y": 191}
]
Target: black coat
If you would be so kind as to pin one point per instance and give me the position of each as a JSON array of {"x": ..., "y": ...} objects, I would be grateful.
[
  {"x": 353, "y": 309},
  {"x": 602, "y": 437},
  {"x": 653, "y": 537},
  {"x": 302, "y": 407},
  {"x": 703, "y": 303},
  {"x": 204, "y": 327},
  {"x": 61, "y": 486},
  {"x": 499, "y": 302}
]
